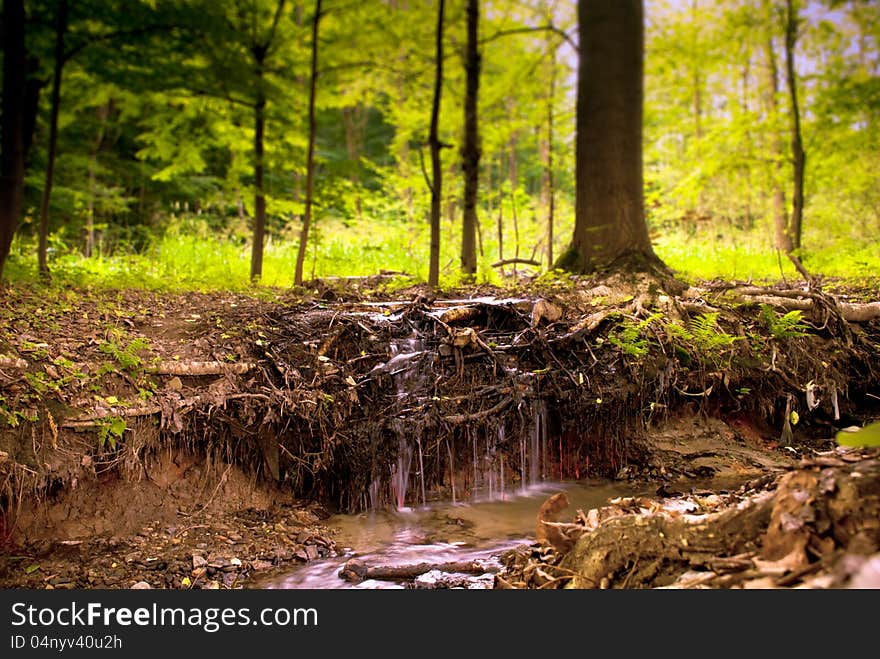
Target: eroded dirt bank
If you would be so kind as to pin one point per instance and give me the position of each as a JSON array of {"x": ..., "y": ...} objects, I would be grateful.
[{"x": 180, "y": 439}]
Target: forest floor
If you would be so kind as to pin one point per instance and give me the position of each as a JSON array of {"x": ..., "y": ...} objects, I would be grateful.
[{"x": 193, "y": 441}]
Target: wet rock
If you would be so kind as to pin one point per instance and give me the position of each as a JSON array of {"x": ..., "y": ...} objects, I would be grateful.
[
  {"x": 259, "y": 565},
  {"x": 229, "y": 580},
  {"x": 198, "y": 561},
  {"x": 311, "y": 552}
]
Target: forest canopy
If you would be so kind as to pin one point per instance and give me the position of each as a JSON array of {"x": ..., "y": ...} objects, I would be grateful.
[{"x": 179, "y": 121}]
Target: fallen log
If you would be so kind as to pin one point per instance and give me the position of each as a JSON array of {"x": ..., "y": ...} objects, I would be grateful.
[
  {"x": 806, "y": 301},
  {"x": 197, "y": 368},
  {"x": 355, "y": 571}
]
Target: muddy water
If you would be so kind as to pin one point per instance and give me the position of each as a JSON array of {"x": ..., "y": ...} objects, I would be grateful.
[{"x": 440, "y": 533}]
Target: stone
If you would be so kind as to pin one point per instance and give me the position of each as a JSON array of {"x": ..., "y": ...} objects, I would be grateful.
[
  {"x": 199, "y": 561},
  {"x": 141, "y": 585}
]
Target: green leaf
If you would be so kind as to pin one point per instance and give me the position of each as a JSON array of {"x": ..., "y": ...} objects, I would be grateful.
[
  {"x": 31, "y": 568},
  {"x": 861, "y": 437}
]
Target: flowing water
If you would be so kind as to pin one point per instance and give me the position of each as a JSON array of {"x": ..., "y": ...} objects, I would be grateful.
[{"x": 441, "y": 533}]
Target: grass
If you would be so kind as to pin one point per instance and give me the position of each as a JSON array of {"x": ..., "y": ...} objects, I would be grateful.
[{"x": 184, "y": 260}]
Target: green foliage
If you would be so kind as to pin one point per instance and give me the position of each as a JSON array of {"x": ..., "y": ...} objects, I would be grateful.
[
  {"x": 631, "y": 336},
  {"x": 866, "y": 437},
  {"x": 787, "y": 326},
  {"x": 125, "y": 355},
  {"x": 110, "y": 431},
  {"x": 704, "y": 336}
]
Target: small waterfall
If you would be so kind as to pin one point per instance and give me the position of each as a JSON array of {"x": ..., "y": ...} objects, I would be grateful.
[
  {"x": 375, "y": 484},
  {"x": 538, "y": 462},
  {"x": 451, "y": 469},
  {"x": 409, "y": 379},
  {"x": 421, "y": 469},
  {"x": 501, "y": 458},
  {"x": 400, "y": 471}
]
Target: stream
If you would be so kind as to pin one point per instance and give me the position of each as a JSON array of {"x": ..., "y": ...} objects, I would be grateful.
[{"x": 440, "y": 533}]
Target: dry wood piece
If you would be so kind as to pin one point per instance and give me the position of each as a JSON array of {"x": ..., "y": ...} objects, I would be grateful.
[
  {"x": 12, "y": 362},
  {"x": 806, "y": 301},
  {"x": 356, "y": 571},
  {"x": 477, "y": 416},
  {"x": 201, "y": 368}
]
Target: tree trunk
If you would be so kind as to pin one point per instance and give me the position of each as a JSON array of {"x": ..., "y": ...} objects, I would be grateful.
[
  {"x": 799, "y": 158},
  {"x": 550, "y": 191},
  {"x": 471, "y": 149},
  {"x": 434, "y": 143},
  {"x": 354, "y": 120},
  {"x": 310, "y": 153},
  {"x": 259, "y": 193},
  {"x": 60, "y": 30},
  {"x": 12, "y": 124},
  {"x": 609, "y": 206},
  {"x": 783, "y": 239}
]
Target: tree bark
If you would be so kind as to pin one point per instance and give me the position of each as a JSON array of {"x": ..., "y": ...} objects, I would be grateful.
[
  {"x": 799, "y": 157},
  {"x": 310, "y": 153},
  {"x": 60, "y": 30},
  {"x": 610, "y": 222},
  {"x": 471, "y": 148},
  {"x": 12, "y": 124},
  {"x": 259, "y": 193},
  {"x": 783, "y": 239},
  {"x": 549, "y": 182},
  {"x": 436, "y": 169},
  {"x": 354, "y": 120}
]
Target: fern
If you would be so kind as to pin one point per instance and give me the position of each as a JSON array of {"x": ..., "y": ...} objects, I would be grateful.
[
  {"x": 704, "y": 335},
  {"x": 629, "y": 338},
  {"x": 787, "y": 326}
]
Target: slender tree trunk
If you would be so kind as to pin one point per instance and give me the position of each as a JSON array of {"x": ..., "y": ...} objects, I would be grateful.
[
  {"x": 259, "y": 192},
  {"x": 103, "y": 114},
  {"x": 799, "y": 157},
  {"x": 60, "y": 30},
  {"x": 697, "y": 79},
  {"x": 514, "y": 183},
  {"x": 12, "y": 124},
  {"x": 783, "y": 239},
  {"x": 549, "y": 182},
  {"x": 436, "y": 168},
  {"x": 310, "y": 153},
  {"x": 471, "y": 149},
  {"x": 609, "y": 205},
  {"x": 354, "y": 120}
]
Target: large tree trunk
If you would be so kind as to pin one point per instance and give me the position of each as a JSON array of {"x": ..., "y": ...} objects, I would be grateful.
[
  {"x": 799, "y": 158},
  {"x": 12, "y": 124},
  {"x": 771, "y": 89},
  {"x": 609, "y": 206},
  {"x": 60, "y": 31},
  {"x": 471, "y": 149},
  {"x": 310, "y": 153},
  {"x": 436, "y": 169}
]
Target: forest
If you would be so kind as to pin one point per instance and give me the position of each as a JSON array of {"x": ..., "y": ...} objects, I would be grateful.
[{"x": 598, "y": 269}]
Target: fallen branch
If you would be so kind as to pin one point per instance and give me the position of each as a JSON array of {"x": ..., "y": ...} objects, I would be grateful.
[
  {"x": 356, "y": 571},
  {"x": 504, "y": 262},
  {"x": 806, "y": 300},
  {"x": 477, "y": 416},
  {"x": 201, "y": 368},
  {"x": 94, "y": 419}
]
